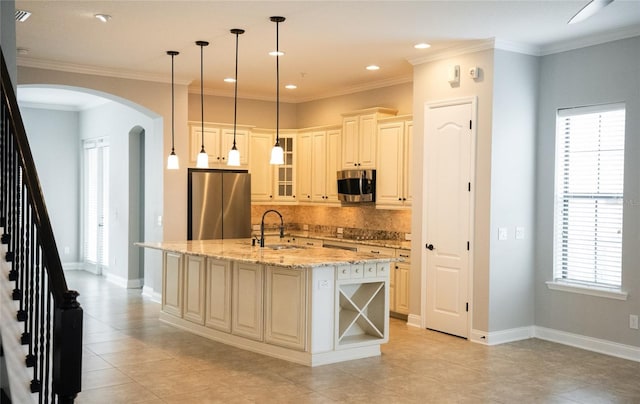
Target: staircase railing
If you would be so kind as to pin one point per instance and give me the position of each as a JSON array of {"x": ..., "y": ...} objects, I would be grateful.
[{"x": 51, "y": 314}]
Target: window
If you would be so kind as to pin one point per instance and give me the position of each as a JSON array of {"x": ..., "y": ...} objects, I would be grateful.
[
  {"x": 96, "y": 203},
  {"x": 589, "y": 182}
]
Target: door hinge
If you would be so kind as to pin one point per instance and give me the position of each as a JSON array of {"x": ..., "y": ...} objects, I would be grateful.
[
  {"x": 470, "y": 124},
  {"x": 469, "y": 187},
  {"x": 467, "y": 306},
  {"x": 468, "y": 246}
]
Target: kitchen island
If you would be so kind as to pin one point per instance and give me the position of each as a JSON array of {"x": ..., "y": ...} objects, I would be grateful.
[{"x": 311, "y": 306}]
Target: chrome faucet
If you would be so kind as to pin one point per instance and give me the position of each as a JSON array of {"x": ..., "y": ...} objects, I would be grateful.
[{"x": 262, "y": 225}]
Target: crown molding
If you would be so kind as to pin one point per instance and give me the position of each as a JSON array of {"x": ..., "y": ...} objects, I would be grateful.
[
  {"x": 95, "y": 71},
  {"x": 447, "y": 53},
  {"x": 361, "y": 87},
  {"x": 583, "y": 42}
]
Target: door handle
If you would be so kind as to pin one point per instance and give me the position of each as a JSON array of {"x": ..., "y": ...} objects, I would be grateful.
[{"x": 429, "y": 247}]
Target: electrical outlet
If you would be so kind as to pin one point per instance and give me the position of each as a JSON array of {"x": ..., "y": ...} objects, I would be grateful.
[
  {"x": 323, "y": 284},
  {"x": 519, "y": 233},
  {"x": 633, "y": 321}
]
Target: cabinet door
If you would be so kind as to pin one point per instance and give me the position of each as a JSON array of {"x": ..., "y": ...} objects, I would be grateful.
[
  {"x": 350, "y": 142},
  {"x": 285, "y": 176},
  {"x": 402, "y": 288},
  {"x": 334, "y": 148},
  {"x": 304, "y": 172},
  {"x": 218, "y": 308},
  {"x": 285, "y": 311},
  {"x": 319, "y": 167},
  {"x": 367, "y": 141},
  {"x": 172, "y": 283},
  {"x": 389, "y": 171},
  {"x": 194, "y": 286},
  {"x": 261, "y": 172},
  {"x": 242, "y": 144},
  {"x": 247, "y": 315},
  {"x": 408, "y": 150},
  {"x": 211, "y": 143}
]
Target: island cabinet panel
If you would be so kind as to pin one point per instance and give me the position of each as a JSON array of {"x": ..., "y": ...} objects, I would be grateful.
[
  {"x": 172, "y": 284},
  {"x": 247, "y": 303},
  {"x": 285, "y": 311},
  {"x": 218, "y": 292},
  {"x": 194, "y": 287}
]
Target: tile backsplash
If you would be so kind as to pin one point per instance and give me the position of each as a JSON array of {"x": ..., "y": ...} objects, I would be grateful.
[{"x": 354, "y": 222}]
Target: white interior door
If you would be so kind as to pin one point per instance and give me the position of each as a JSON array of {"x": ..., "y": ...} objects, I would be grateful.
[
  {"x": 448, "y": 149},
  {"x": 96, "y": 204}
]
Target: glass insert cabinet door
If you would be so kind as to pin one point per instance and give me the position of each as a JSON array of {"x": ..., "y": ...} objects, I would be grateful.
[{"x": 285, "y": 177}]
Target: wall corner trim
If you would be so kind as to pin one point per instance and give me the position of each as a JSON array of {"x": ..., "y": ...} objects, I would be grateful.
[{"x": 414, "y": 320}]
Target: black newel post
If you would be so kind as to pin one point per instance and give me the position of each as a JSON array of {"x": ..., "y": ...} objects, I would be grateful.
[{"x": 67, "y": 349}]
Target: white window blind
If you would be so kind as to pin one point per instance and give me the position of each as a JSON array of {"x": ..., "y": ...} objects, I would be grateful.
[
  {"x": 589, "y": 181},
  {"x": 96, "y": 202}
]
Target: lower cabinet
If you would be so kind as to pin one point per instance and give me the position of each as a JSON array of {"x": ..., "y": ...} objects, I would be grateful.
[
  {"x": 399, "y": 301},
  {"x": 194, "y": 285},
  {"x": 285, "y": 308},
  {"x": 218, "y": 295},
  {"x": 246, "y": 307},
  {"x": 172, "y": 283}
]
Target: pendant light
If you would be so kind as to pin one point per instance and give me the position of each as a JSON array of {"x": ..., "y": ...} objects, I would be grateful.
[
  {"x": 277, "y": 154},
  {"x": 234, "y": 154},
  {"x": 203, "y": 158},
  {"x": 172, "y": 160}
]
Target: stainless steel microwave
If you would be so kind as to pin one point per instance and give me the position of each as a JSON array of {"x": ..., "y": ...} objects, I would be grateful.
[{"x": 355, "y": 186}]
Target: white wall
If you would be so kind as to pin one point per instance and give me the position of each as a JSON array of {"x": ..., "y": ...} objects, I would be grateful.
[
  {"x": 8, "y": 36},
  {"x": 515, "y": 91},
  {"x": 123, "y": 125},
  {"x": 598, "y": 74},
  {"x": 54, "y": 140}
]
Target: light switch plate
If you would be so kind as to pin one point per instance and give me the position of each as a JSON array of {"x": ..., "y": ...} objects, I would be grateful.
[
  {"x": 503, "y": 233},
  {"x": 519, "y": 233}
]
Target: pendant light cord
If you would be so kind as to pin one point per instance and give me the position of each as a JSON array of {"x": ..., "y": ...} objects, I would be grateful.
[
  {"x": 201, "y": 97},
  {"x": 235, "y": 94},
  {"x": 172, "y": 106},
  {"x": 277, "y": 84}
]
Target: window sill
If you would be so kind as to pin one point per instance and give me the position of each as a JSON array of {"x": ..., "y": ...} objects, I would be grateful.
[{"x": 587, "y": 290}]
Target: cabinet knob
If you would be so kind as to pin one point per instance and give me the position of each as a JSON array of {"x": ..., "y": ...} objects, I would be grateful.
[
  {"x": 218, "y": 157},
  {"x": 270, "y": 196},
  {"x": 294, "y": 196},
  {"x": 399, "y": 199}
]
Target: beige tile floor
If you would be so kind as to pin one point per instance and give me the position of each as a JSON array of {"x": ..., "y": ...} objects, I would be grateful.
[{"x": 131, "y": 357}]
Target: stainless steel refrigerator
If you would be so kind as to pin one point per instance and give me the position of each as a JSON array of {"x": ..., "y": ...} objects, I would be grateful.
[{"x": 219, "y": 204}]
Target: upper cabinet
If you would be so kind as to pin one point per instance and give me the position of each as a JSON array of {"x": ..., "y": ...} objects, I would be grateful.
[
  {"x": 359, "y": 129},
  {"x": 218, "y": 140},
  {"x": 393, "y": 175},
  {"x": 270, "y": 183},
  {"x": 319, "y": 160}
]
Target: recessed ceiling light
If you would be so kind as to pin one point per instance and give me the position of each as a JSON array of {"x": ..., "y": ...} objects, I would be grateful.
[
  {"x": 422, "y": 45},
  {"x": 274, "y": 53},
  {"x": 229, "y": 80},
  {"x": 22, "y": 15},
  {"x": 373, "y": 67},
  {"x": 103, "y": 17},
  {"x": 291, "y": 86}
]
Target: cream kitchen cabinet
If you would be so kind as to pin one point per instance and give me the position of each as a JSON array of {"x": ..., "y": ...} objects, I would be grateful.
[
  {"x": 172, "y": 283},
  {"x": 400, "y": 278},
  {"x": 359, "y": 130},
  {"x": 285, "y": 308},
  {"x": 218, "y": 140},
  {"x": 218, "y": 295},
  {"x": 270, "y": 183},
  {"x": 393, "y": 176},
  {"x": 319, "y": 160},
  {"x": 194, "y": 288},
  {"x": 247, "y": 304},
  {"x": 261, "y": 143}
]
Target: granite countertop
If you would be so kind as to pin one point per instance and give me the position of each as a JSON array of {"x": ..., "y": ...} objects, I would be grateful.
[
  {"x": 403, "y": 245},
  {"x": 241, "y": 250}
]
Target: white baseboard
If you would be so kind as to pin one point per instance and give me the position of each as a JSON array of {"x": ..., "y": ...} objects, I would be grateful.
[
  {"x": 148, "y": 291},
  {"x": 73, "y": 266},
  {"x": 588, "y": 343},
  {"x": 414, "y": 320},
  {"x": 124, "y": 283},
  {"x": 513, "y": 334}
]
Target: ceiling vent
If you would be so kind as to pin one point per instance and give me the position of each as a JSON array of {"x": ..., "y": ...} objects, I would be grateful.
[{"x": 22, "y": 15}]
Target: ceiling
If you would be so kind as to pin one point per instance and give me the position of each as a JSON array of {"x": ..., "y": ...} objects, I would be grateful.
[{"x": 327, "y": 43}]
